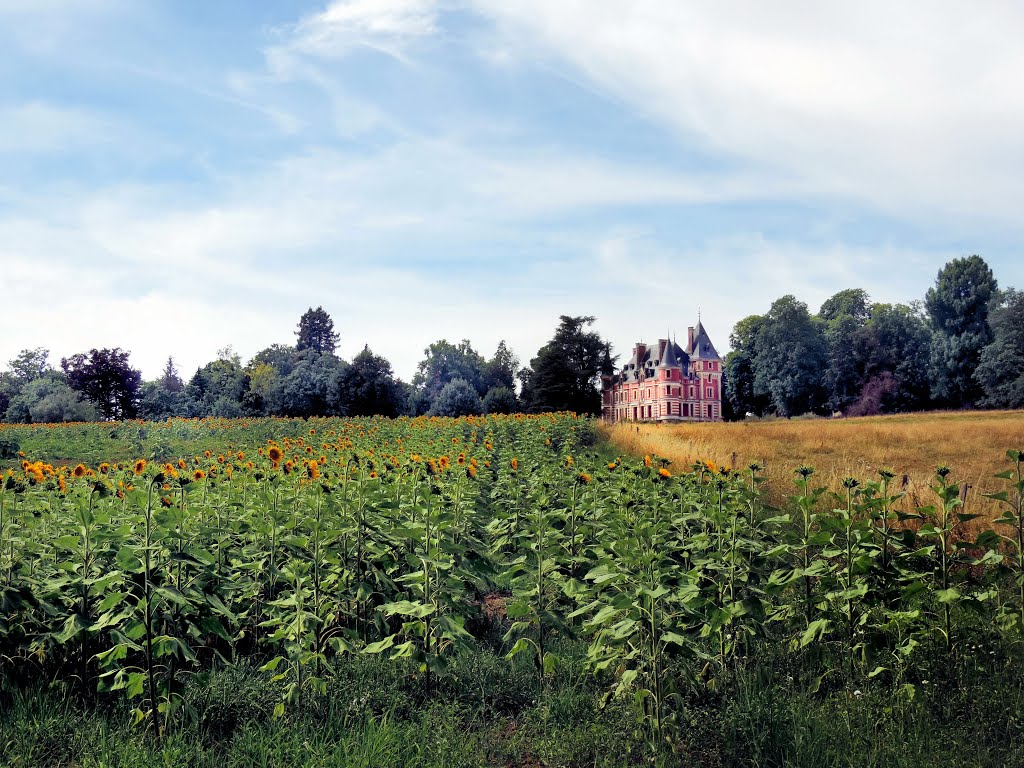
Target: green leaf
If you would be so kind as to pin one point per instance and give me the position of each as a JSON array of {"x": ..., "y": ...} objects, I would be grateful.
[
  {"x": 814, "y": 632},
  {"x": 380, "y": 645}
]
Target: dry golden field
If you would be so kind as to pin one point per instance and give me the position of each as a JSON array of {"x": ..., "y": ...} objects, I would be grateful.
[{"x": 972, "y": 443}]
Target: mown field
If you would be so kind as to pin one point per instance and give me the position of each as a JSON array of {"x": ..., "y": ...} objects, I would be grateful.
[
  {"x": 502, "y": 591},
  {"x": 972, "y": 443}
]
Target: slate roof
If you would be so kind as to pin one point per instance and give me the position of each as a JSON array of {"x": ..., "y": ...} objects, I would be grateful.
[
  {"x": 702, "y": 349},
  {"x": 664, "y": 354}
]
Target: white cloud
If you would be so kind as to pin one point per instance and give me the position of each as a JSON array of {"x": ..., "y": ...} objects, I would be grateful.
[
  {"x": 913, "y": 108},
  {"x": 386, "y": 25}
]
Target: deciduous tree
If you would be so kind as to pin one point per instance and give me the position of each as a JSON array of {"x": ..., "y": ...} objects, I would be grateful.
[{"x": 106, "y": 379}]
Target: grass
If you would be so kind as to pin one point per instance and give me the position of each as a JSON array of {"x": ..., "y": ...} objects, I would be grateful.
[
  {"x": 490, "y": 712},
  {"x": 972, "y": 443}
]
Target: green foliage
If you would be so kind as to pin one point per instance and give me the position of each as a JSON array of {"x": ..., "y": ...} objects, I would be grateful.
[
  {"x": 789, "y": 356},
  {"x": 500, "y": 400},
  {"x": 958, "y": 308},
  {"x": 444, "y": 363},
  {"x": 367, "y": 387},
  {"x": 443, "y": 551},
  {"x": 1001, "y": 368},
  {"x": 316, "y": 332},
  {"x": 105, "y": 378},
  {"x": 457, "y": 398},
  {"x": 565, "y": 373}
]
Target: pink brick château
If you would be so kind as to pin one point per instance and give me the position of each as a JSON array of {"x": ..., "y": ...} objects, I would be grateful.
[{"x": 665, "y": 383}]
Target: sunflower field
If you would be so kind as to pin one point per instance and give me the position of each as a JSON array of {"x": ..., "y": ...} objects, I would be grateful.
[{"x": 295, "y": 549}]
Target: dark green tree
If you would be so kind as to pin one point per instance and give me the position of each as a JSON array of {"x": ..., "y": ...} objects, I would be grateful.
[
  {"x": 851, "y": 302},
  {"x": 443, "y": 363},
  {"x": 282, "y": 357},
  {"x": 157, "y": 403},
  {"x": 789, "y": 357},
  {"x": 29, "y": 365},
  {"x": 1001, "y": 370},
  {"x": 316, "y": 332},
  {"x": 169, "y": 379},
  {"x": 366, "y": 387},
  {"x": 217, "y": 383},
  {"x": 564, "y": 375},
  {"x": 843, "y": 315},
  {"x": 500, "y": 370},
  {"x": 457, "y": 398},
  {"x": 958, "y": 308},
  {"x": 107, "y": 380},
  {"x": 501, "y": 400},
  {"x": 738, "y": 373},
  {"x": 49, "y": 399},
  {"x": 892, "y": 353},
  {"x": 306, "y": 391}
]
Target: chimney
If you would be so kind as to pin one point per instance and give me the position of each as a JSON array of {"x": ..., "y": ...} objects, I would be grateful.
[{"x": 690, "y": 334}]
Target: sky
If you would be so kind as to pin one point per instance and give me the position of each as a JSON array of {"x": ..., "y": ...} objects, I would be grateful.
[{"x": 177, "y": 176}]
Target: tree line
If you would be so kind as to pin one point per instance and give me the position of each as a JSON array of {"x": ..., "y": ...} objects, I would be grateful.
[
  {"x": 308, "y": 378},
  {"x": 961, "y": 347}
]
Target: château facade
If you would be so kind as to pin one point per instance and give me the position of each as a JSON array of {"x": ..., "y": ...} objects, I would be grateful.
[{"x": 665, "y": 383}]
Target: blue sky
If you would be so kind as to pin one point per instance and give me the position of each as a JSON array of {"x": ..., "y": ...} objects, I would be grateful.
[{"x": 177, "y": 176}]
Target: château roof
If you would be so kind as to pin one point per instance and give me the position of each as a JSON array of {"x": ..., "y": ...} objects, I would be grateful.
[
  {"x": 701, "y": 347},
  {"x": 646, "y": 358}
]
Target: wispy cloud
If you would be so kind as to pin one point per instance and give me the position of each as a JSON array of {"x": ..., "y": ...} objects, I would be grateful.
[
  {"x": 912, "y": 108},
  {"x": 386, "y": 25}
]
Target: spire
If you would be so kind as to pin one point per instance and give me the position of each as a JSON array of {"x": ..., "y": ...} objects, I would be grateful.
[
  {"x": 669, "y": 359},
  {"x": 701, "y": 346}
]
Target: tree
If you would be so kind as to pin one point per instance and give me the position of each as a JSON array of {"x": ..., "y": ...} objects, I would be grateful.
[
  {"x": 443, "y": 363},
  {"x": 789, "y": 357},
  {"x": 105, "y": 378},
  {"x": 48, "y": 399},
  {"x": 306, "y": 390},
  {"x": 282, "y": 357},
  {"x": 316, "y": 332},
  {"x": 458, "y": 398},
  {"x": 852, "y": 302},
  {"x": 738, "y": 373},
  {"x": 500, "y": 370},
  {"x": 366, "y": 387},
  {"x": 221, "y": 380},
  {"x": 156, "y": 403},
  {"x": 958, "y": 308},
  {"x": 892, "y": 346},
  {"x": 501, "y": 400},
  {"x": 1001, "y": 369},
  {"x": 169, "y": 380},
  {"x": 30, "y": 364},
  {"x": 264, "y": 389},
  {"x": 843, "y": 315},
  {"x": 565, "y": 373}
]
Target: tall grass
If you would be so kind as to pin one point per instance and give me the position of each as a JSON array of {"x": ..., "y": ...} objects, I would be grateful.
[{"x": 972, "y": 442}]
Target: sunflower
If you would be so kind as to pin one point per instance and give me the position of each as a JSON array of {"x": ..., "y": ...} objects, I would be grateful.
[
  {"x": 140, "y": 466},
  {"x": 515, "y": 464},
  {"x": 198, "y": 475},
  {"x": 664, "y": 473},
  {"x": 583, "y": 478},
  {"x": 275, "y": 455},
  {"x": 79, "y": 471}
]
